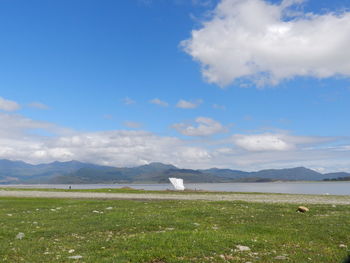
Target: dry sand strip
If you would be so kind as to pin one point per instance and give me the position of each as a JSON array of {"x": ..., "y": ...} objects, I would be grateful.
[{"x": 262, "y": 198}]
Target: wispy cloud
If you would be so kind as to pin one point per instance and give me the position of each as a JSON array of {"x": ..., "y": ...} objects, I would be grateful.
[
  {"x": 159, "y": 102},
  {"x": 128, "y": 101},
  {"x": 219, "y": 107},
  {"x": 8, "y": 105},
  {"x": 38, "y": 105},
  {"x": 132, "y": 124},
  {"x": 205, "y": 127},
  {"x": 184, "y": 104}
]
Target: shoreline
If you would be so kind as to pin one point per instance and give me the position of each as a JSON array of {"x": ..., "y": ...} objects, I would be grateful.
[{"x": 246, "y": 197}]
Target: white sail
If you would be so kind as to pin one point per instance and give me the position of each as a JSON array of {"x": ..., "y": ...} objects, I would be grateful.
[{"x": 178, "y": 183}]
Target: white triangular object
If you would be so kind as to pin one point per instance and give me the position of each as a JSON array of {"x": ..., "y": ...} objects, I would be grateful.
[{"x": 178, "y": 183}]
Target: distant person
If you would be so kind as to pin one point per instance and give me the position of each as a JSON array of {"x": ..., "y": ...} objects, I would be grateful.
[{"x": 70, "y": 187}]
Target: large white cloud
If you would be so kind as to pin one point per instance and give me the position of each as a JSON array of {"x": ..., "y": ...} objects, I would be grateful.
[
  {"x": 266, "y": 43},
  {"x": 205, "y": 127}
]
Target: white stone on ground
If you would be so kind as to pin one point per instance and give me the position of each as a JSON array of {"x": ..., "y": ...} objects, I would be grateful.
[
  {"x": 20, "y": 235},
  {"x": 242, "y": 248},
  {"x": 75, "y": 257}
]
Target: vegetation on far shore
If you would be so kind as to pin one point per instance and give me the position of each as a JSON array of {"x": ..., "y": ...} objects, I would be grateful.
[
  {"x": 55, "y": 230},
  {"x": 130, "y": 190}
]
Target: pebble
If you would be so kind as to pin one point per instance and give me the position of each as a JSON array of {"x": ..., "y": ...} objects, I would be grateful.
[
  {"x": 343, "y": 246},
  {"x": 243, "y": 248},
  {"x": 71, "y": 251}
]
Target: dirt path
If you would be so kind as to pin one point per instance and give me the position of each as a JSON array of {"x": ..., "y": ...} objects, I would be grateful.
[{"x": 263, "y": 198}]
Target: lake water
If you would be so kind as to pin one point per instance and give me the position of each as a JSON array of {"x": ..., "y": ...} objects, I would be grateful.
[{"x": 332, "y": 188}]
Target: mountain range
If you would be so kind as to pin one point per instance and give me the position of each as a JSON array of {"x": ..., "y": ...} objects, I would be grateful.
[{"x": 74, "y": 172}]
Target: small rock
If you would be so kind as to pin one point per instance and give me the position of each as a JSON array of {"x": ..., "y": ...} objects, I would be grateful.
[
  {"x": 243, "y": 248},
  {"x": 71, "y": 251},
  {"x": 109, "y": 208},
  {"x": 343, "y": 246},
  {"x": 9, "y": 214},
  {"x": 75, "y": 257},
  {"x": 302, "y": 209},
  {"x": 95, "y": 211},
  {"x": 20, "y": 235}
]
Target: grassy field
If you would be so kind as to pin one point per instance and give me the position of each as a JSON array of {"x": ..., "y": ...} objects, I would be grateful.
[{"x": 170, "y": 231}]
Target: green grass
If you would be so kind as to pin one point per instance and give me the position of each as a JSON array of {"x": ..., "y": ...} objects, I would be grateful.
[{"x": 169, "y": 231}]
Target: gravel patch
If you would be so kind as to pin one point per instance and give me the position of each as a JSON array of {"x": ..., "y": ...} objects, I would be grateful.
[{"x": 261, "y": 198}]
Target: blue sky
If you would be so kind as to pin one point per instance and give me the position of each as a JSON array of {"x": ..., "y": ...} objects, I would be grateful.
[{"x": 228, "y": 83}]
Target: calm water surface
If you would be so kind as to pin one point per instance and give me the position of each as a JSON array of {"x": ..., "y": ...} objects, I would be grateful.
[{"x": 332, "y": 188}]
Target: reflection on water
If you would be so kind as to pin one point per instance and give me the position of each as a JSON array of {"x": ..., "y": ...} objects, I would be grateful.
[{"x": 332, "y": 188}]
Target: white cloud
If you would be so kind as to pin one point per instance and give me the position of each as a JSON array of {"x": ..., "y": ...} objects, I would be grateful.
[
  {"x": 39, "y": 105},
  {"x": 262, "y": 142},
  {"x": 266, "y": 43},
  {"x": 132, "y": 124},
  {"x": 116, "y": 147},
  {"x": 184, "y": 104},
  {"x": 20, "y": 141},
  {"x": 18, "y": 126},
  {"x": 128, "y": 101},
  {"x": 205, "y": 127},
  {"x": 8, "y": 105},
  {"x": 277, "y": 141},
  {"x": 159, "y": 102}
]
